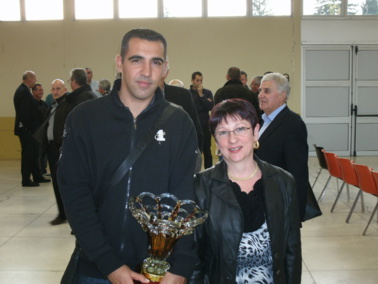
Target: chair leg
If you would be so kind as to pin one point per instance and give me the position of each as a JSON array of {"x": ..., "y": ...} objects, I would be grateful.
[
  {"x": 371, "y": 217},
  {"x": 353, "y": 206},
  {"x": 337, "y": 197},
  {"x": 324, "y": 189},
  {"x": 317, "y": 178},
  {"x": 362, "y": 203},
  {"x": 348, "y": 193}
]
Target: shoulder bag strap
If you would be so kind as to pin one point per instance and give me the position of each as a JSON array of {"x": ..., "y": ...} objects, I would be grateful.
[{"x": 138, "y": 149}]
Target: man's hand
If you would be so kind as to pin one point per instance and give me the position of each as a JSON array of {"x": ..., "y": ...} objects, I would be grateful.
[
  {"x": 124, "y": 275},
  {"x": 170, "y": 278}
]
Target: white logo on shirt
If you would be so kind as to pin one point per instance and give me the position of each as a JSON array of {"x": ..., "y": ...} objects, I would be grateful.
[{"x": 160, "y": 135}]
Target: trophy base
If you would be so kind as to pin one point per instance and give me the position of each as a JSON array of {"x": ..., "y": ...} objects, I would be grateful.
[{"x": 154, "y": 269}]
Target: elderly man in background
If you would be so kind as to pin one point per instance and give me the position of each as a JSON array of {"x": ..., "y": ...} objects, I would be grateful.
[
  {"x": 283, "y": 135},
  {"x": 26, "y": 123}
]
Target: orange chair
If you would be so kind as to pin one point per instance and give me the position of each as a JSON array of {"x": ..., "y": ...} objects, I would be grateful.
[
  {"x": 321, "y": 160},
  {"x": 333, "y": 169},
  {"x": 349, "y": 176},
  {"x": 367, "y": 184}
]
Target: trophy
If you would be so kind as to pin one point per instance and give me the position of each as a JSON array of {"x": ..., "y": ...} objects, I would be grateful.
[{"x": 165, "y": 219}]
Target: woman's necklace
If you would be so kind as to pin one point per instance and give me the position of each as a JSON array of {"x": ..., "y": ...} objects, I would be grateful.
[{"x": 244, "y": 178}]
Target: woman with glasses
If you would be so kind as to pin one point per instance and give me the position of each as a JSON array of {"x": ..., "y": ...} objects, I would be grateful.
[{"x": 252, "y": 234}]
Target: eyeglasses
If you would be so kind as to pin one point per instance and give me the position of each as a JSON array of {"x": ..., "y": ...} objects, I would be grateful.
[{"x": 240, "y": 131}]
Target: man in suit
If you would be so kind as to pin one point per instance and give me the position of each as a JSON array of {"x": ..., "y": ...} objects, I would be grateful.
[
  {"x": 283, "y": 135},
  {"x": 183, "y": 98},
  {"x": 26, "y": 123}
]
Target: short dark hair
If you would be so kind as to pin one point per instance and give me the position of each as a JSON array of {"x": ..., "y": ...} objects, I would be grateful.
[
  {"x": 79, "y": 75},
  {"x": 146, "y": 34},
  {"x": 234, "y": 108},
  {"x": 234, "y": 73},
  {"x": 243, "y": 73},
  {"x": 35, "y": 87},
  {"x": 197, "y": 73}
]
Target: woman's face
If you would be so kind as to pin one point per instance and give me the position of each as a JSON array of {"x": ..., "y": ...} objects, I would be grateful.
[{"x": 236, "y": 147}]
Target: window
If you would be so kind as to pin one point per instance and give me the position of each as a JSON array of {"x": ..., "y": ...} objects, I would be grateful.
[
  {"x": 340, "y": 7},
  {"x": 89, "y": 9},
  {"x": 43, "y": 10},
  {"x": 138, "y": 9},
  {"x": 271, "y": 7},
  {"x": 226, "y": 8},
  {"x": 362, "y": 7},
  {"x": 10, "y": 10},
  {"x": 182, "y": 8}
]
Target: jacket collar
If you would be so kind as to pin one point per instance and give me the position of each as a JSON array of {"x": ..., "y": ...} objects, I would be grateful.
[
  {"x": 275, "y": 123},
  {"x": 72, "y": 96}
]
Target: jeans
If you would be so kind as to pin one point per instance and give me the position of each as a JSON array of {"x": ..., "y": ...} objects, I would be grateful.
[{"x": 90, "y": 280}]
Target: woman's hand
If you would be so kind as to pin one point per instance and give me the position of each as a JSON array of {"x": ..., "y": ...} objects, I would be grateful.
[{"x": 124, "y": 275}]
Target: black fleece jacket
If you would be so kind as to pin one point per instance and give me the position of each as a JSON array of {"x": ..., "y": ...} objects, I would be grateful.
[{"x": 99, "y": 135}]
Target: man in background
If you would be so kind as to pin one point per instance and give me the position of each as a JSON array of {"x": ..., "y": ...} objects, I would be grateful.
[
  {"x": 42, "y": 108},
  {"x": 234, "y": 88},
  {"x": 203, "y": 101},
  {"x": 244, "y": 79},
  {"x": 91, "y": 82},
  {"x": 26, "y": 123},
  {"x": 283, "y": 135},
  {"x": 58, "y": 91}
]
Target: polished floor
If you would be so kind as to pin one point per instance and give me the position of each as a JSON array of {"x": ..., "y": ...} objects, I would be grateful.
[{"x": 34, "y": 252}]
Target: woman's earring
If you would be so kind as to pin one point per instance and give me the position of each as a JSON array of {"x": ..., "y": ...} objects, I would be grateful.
[
  {"x": 256, "y": 145},
  {"x": 218, "y": 153}
]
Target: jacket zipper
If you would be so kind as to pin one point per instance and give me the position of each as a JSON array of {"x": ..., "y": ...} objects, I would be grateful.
[{"x": 125, "y": 215}]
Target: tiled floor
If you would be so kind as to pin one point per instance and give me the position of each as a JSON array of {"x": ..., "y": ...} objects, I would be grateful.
[{"x": 34, "y": 252}]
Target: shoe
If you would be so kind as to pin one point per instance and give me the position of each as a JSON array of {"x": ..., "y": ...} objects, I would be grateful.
[
  {"x": 47, "y": 175},
  {"x": 30, "y": 184},
  {"x": 58, "y": 220},
  {"x": 42, "y": 180}
]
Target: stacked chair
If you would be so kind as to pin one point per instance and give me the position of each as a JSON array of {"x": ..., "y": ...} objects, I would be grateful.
[
  {"x": 350, "y": 173},
  {"x": 349, "y": 176},
  {"x": 367, "y": 184},
  {"x": 334, "y": 171}
]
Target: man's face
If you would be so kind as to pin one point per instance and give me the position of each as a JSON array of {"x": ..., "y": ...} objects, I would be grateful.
[
  {"x": 38, "y": 93},
  {"x": 58, "y": 89},
  {"x": 89, "y": 75},
  {"x": 270, "y": 98},
  {"x": 243, "y": 79},
  {"x": 142, "y": 68},
  {"x": 254, "y": 86},
  {"x": 197, "y": 81}
]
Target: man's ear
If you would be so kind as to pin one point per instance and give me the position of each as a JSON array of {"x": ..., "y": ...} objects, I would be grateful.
[{"x": 118, "y": 62}]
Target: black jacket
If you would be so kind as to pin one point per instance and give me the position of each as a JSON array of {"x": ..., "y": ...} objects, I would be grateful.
[
  {"x": 72, "y": 99},
  {"x": 183, "y": 97},
  {"x": 26, "y": 110},
  {"x": 219, "y": 237},
  {"x": 99, "y": 136},
  {"x": 284, "y": 144},
  {"x": 234, "y": 89}
]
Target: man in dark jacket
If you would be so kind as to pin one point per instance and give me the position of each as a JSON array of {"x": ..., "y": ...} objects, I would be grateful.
[
  {"x": 98, "y": 137},
  {"x": 283, "y": 135},
  {"x": 26, "y": 123},
  {"x": 234, "y": 88},
  {"x": 182, "y": 97},
  {"x": 81, "y": 92}
]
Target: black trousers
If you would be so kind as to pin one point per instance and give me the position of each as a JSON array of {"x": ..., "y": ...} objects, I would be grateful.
[
  {"x": 207, "y": 157},
  {"x": 53, "y": 156},
  {"x": 29, "y": 157}
]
